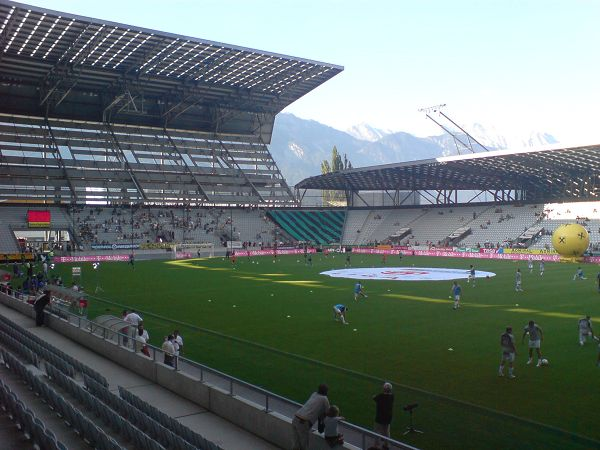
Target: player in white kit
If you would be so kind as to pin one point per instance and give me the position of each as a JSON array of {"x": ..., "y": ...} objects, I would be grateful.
[
  {"x": 518, "y": 276},
  {"x": 509, "y": 351},
  {"x": 585, "y": 329}
]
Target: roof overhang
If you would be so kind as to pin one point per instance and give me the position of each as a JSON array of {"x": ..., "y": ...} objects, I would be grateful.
[
  {"x": 572, "y": 172},
  {"x": 81, "y": 68}
]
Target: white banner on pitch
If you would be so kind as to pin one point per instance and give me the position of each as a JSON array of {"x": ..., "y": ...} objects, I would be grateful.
[{"x": 405, "y": 273}]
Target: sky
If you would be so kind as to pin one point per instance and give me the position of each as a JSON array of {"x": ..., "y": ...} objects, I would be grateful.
[{"x": 515, "y": 65}]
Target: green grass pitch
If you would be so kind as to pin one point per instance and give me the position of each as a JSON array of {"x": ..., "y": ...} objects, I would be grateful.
[{"x": 403, "y": 333}]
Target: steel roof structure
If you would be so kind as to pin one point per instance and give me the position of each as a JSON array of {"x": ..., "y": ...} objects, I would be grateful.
[
  {"x": 547, "y": 174},
  {"x": 90, "y": 69},
  {"x": 96, "y": 110}
]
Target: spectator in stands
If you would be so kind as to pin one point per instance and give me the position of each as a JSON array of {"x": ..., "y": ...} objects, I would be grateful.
[
  {"x": 133, "y": 318},
  {"x": 178, "y": 340},
  {"x": 384, "y": 406},
  {"x": 124, "y": 330},
  {"x": 39, "y": 306},
  {"x": 142, "y": 338},
  {"x": 315, "y": 407},
  {"x": 16, "y": 271},
  {"x": 332, "y": 436},
  {"x": 169, "y": 349}
]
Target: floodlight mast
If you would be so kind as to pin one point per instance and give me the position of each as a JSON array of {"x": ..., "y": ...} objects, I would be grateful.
[{"x": 470, "y": 139}]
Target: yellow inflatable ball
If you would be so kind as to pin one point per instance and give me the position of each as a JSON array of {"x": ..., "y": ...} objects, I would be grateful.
[{"x": 571, "y": 239}]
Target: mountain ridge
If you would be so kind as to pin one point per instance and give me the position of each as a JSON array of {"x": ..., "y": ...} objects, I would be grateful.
[{"x": 300, "y": 145}]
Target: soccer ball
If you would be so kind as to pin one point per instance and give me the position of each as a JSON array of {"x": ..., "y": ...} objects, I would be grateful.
[
  {"x": 570, "y": 239},
  {"x": 544, "y": 362}
]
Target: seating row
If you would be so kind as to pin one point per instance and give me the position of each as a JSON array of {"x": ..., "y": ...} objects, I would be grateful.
[
  {"x": 40, "y": 353},
  {"x": 167, "y": 421},
  {"x": 72, "y": 417},
  {"x": 163, "y": 435},
  {"x": 25, "y": 345},
  {"x": 18, "y": 348},
  {"x": 120, "y": 422},
  {"x": 32, "y": 427},
  {"x": 51, "y": 350}
]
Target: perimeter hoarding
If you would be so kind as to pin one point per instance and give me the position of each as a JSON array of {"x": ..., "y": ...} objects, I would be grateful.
[
  {"x": 90, "y": 258},
  {"x": 271, "y": 252}
]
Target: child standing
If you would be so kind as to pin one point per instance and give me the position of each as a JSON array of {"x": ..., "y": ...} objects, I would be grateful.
[{"x": 332, "y": 418}]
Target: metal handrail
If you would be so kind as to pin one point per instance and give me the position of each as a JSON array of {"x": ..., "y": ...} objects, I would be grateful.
[{"x": 353, "y": 434}]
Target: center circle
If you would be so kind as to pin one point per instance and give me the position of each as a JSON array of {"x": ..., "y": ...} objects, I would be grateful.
[{"x": 405, "y": 273}]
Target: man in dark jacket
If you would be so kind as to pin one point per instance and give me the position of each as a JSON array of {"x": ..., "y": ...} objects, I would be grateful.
[
  {"x": 39, "y": 306},
  {"x": 384, "y": 406}
]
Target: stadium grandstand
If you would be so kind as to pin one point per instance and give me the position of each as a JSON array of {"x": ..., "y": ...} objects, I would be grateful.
[
  {"x": 100, "y": 111},
  {"x": 117, "y": 141}
]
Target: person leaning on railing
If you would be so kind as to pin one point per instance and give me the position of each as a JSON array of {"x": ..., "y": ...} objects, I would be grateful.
[
  {"x": 314, "y": 409},
  {"x": 141, "y": 338},
  {"x": 169, "y": 350}
]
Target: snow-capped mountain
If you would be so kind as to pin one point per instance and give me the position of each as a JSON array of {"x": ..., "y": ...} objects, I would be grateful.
[
  {"x": 299, "y": 146},
  {"x": 492, "y": 138},
  {"x": 366, "y": 132}
]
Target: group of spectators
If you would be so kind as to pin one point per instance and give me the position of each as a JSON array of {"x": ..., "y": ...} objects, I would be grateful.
[
  {"x": 317, "y": 409},
  {"x": 172, "y": 345},
  {"x": 156, "y": 225}
]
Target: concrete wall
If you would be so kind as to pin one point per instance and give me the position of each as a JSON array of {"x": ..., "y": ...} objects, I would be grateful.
[{"x": 271, "y": 427}]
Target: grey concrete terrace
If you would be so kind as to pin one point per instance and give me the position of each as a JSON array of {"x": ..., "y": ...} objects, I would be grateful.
[{"x": 198, "y": 419}]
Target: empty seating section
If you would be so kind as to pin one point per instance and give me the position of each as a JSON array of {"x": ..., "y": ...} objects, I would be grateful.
[
  {"x": 64, "y": 362},
  {"x": 166, "y": 435},
  {"x": 131, "y": 419},
  {"x": 432, "y": 225},
  {"x": 106, "y": 411},
  {"x": 501, "y": 224},
  {"x": 166, "y": 421},
  {"x": 33, "y": 428},
  {"x": 252, "y": 226},
  {"x": 71, "y": 415},
  {"x": 438, "y": 223},
  {"x": 367, "y": 227},
  {"x": 319, "y": 227}
]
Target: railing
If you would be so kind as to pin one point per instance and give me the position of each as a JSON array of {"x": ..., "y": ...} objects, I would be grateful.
[{"x": 270, "y": 403}]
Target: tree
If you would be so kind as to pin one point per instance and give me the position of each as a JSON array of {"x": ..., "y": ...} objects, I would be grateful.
[{"x": 336, "y": 164}]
